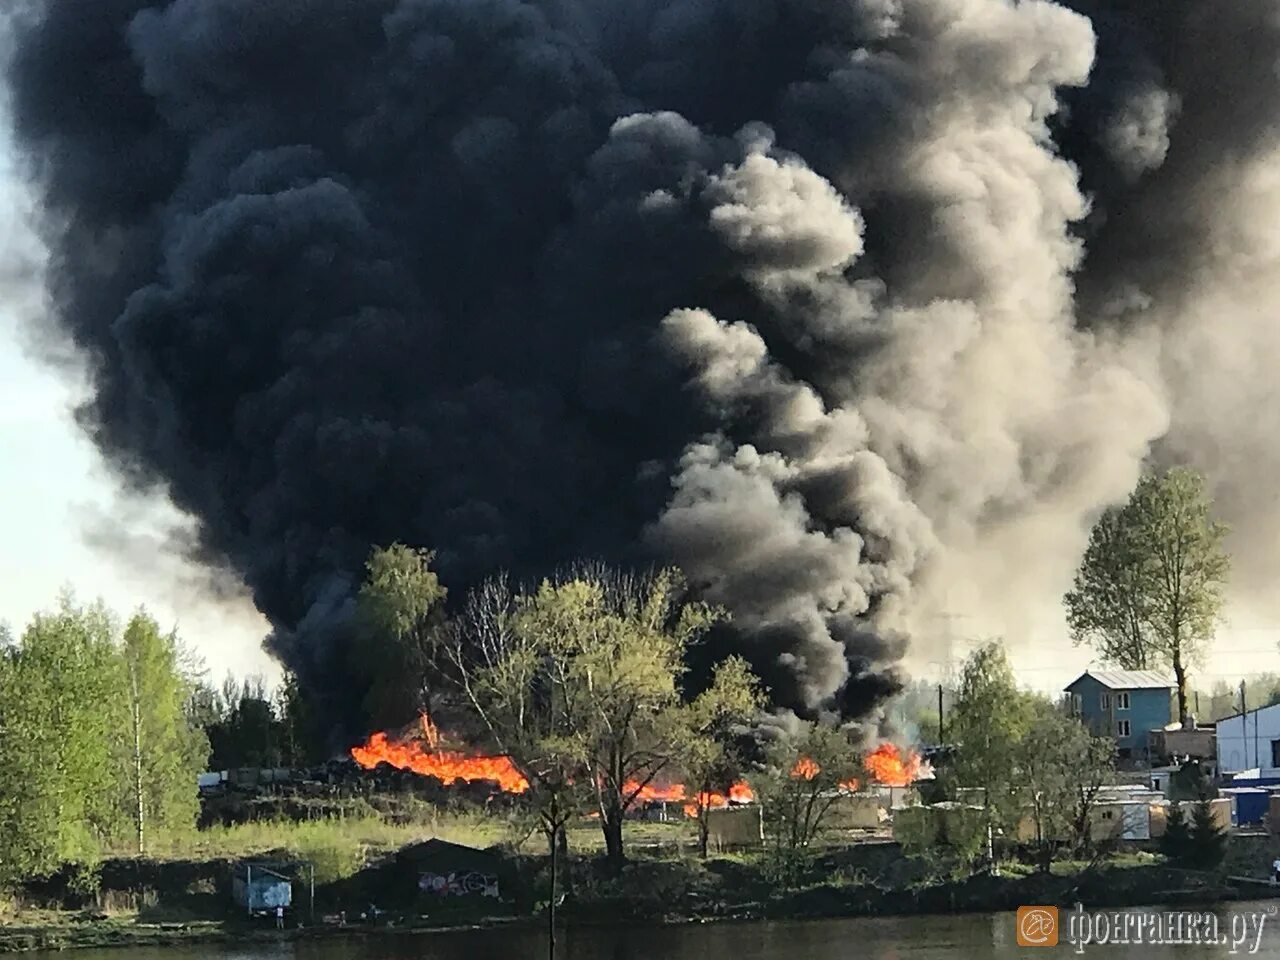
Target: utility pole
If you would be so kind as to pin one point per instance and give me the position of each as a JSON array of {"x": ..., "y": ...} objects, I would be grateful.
[
  {"x": 1244, "y": 726},
  {"x": 941, "y": 724}
]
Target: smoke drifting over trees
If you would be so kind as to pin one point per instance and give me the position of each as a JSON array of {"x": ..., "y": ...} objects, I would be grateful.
[{"x": 831, "y": 303}]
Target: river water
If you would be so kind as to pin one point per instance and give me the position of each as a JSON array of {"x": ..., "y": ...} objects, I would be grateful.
[{"x": 1246, "y": 929}]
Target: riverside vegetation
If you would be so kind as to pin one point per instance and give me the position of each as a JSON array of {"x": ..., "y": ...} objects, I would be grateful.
[{"x": 105, "y": 726}]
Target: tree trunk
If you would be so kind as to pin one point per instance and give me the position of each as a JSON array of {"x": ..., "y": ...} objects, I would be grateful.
[
  {"x": 551, "y": 902},
  {"x": 611, "y": 824},
  {"x": 136, "y": 704},
  {"x": 704, "y": 829},
  {"x": 1180, "y": 675}
]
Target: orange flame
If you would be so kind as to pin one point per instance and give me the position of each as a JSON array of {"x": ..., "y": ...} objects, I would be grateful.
[
  {"x": 739, "y": 792},
  {"x": 447, "y": 766},
  {"x": 805, "y": 769},
  {"x": 887, "y": 765},
  {"x": 891, "y": 766}
]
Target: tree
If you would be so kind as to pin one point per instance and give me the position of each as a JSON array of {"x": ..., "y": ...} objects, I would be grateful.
[
  {"x": 1149, "y": 590},
  {"x": 710, "y": 756},
  {"x": 58, "y": 689},
  {"x": 990, "y": 719},
  {"x": 399, "y": 610},
  {"x": 629, "y": 637},
  {"x": 1176, "y": 842},
  {"x": 161, "y": 750},
  {"x": 595, "y": 658},
  {"x": 803, "y": 778},
  {"x": 511, "y": 660},
  {"x": 1208, "y": 839},
  {"x": 1062, "y": 768},
  {"x": 300, "y": 740}
]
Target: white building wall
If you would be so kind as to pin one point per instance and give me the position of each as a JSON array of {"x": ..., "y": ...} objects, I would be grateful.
[{"x": 1245, "y": 742}]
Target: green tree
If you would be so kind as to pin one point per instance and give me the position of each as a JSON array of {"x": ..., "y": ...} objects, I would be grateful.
[
  {"x": 1062, "y": 768},
  {"x": 595, "y": 658},
  {"x": 161, "y": 750},
  {"x": 802, "y": 781},
  {"x": 1176, "y": 842},
  {"x": 629, "y": 637},
  {"x": 58, "y": 690},
  {"x": 1149, "y": 590},
  {"x": 1208, "y": 843},
  {"x": 511, "y": 662},
  {"x": 399, "y": 609},
  {"x": 300, "y": 739},
  {"x": 709, "y": 753},
  {"x": 987, "y": 726}
]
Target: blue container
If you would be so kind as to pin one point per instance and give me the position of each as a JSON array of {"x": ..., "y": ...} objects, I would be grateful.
[{"x": 1249, "y": 805}]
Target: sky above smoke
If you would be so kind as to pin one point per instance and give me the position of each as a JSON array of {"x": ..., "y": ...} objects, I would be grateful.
[{"x": 859, "y": 311}]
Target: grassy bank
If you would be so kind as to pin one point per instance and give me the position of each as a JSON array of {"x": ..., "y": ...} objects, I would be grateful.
[{"x": 181, "y": 893}]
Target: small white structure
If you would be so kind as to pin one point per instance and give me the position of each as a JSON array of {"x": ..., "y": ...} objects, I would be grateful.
[
  {"x": 1127, "y": 819},
  {"x": 1250, "y": 741}
]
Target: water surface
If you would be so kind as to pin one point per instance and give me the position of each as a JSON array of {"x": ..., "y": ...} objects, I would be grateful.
[{"x": 949, "y": 937}]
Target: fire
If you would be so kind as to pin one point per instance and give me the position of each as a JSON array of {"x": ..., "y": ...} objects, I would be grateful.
[
  {"x": 422, "y": 755},
  {"x": 805, "y": 769},
  {"x": 887, "y": 765},
  {"x": 739, "y": 792},
  {"x": 891, "y": 766}
]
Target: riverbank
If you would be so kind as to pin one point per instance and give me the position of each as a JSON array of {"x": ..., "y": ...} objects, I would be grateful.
[{"x": 656, "y": 891}]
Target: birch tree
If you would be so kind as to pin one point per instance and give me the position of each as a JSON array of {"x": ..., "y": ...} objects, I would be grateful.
[{"x": 1149, "y": 592}]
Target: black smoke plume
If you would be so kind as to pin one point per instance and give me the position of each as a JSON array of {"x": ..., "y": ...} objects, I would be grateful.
[{"x": 835, "y": 303}]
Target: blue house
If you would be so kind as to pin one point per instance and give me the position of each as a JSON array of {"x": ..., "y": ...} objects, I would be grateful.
[{"x": 1124, "y": 704}]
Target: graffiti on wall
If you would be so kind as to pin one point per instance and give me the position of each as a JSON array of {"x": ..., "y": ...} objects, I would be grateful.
[{"x": 461, "y": 884}]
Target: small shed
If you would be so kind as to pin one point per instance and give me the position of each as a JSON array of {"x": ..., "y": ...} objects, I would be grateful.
[
  {"x": 735, "y": 827},
  {"x": 261, "y": 888},
  {"x": 1124, "y": 819},
  {"x": 856, "y": 811},
  {"x": 442, "y": 869}
]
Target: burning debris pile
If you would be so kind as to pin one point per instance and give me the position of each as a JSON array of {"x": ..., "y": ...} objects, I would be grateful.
[
  {"x": 419, "y": 749},
  {"x": 422, "y": 754}
]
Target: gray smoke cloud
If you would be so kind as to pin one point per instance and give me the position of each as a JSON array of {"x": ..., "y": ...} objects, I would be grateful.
[{"x": 860, "y": 311}]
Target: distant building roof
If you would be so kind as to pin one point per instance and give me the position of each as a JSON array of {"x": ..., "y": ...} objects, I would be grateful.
[{"x": 1128, "y": 679}]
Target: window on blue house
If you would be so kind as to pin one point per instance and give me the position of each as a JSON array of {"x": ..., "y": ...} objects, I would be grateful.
[
  {"x": 1122, "y": 728},
  {"x": 1122, "y": 701},
  {"x": 1105, "y": 701}
]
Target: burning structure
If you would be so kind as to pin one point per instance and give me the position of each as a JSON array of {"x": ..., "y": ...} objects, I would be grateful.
[{"x": 837, "y": 304}]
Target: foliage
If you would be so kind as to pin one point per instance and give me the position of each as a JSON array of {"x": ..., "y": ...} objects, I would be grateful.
[
  {"x": 511, "y": 660},
  {"x": 92, "y": 731},
  {"x": 1149, "y": 591},
  {"x": 1062, "y": 769},
  {"x": 1208, "y": 846},
  {"x": 948, "y": 838},
  {"x": 802, "y": 780},
  {"x": 56, "y": 689},
  {"x": 990, "y": 719},
  {"x": 578, "y": 682},
  {"x": 710, "y": 751},
  {"x": 1176, "y": 842},
  {"x": 153, "y": 741},
  {"x": 399, "y": 610},
  {"x": 1191, "y": 782}
]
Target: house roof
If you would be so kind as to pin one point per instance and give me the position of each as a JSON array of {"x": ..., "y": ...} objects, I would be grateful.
[{"x": 1128, "y": 679}]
